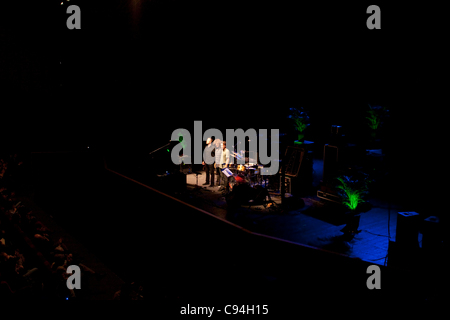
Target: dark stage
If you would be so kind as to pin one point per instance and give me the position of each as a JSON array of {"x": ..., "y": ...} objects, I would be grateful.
[{"x": 91, "y": 112}]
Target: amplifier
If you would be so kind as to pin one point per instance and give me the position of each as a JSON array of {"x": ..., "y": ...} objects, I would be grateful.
[
  {"x": 407, "y": 232},
  {"x": 287, "y": 184},
  {"x": 293, "y": 160},
  {"x": 297, "y": 186},
  {"x": 330, "y": 162},
  {"x": 328, "y": 196},
  {"x": 431, "y": 237}
]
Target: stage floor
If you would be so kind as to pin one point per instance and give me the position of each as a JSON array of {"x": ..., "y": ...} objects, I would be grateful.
[{"x": 317, "y": 223}]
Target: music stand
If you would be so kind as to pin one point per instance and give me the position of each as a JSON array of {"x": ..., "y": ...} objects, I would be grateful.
[
  {"x": 197, "y": 187},
  {"x": 227, "y": 172}
]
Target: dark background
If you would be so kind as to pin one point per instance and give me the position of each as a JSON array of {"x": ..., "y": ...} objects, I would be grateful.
[
  {"x": 119, "y": 80},
  {"x": 135, "y": 73}
]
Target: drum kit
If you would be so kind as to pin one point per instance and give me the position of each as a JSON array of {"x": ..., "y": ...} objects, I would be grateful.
[{"x": 250, "y": 172}]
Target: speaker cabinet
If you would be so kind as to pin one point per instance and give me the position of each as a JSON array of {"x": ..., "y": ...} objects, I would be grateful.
[
  {"x": 330, "y": 162},
  {"x": 431, "y": 237},
  {"x": 407, "y": 234},
  {"x": 293, "y": 158},
  {"x": 298, "y": 171}
]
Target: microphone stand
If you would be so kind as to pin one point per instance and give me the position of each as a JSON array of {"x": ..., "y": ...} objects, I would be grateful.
[{"x": 160, "y": 148}]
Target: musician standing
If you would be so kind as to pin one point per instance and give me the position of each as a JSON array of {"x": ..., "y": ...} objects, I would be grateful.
[
  {"x": 209, "y": 168},
  {"x": 218, "y": 158},
  {"x": 225, "y": 160}
]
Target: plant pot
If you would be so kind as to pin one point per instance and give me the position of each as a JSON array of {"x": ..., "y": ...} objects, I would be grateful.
[
  {"x": 301, "y": 139},
  {"x": 373, "y": 144},
  {"x": 353, "y": 218}
]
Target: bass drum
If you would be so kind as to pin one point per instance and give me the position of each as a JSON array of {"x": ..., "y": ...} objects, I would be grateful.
[
  {"x": 232, "y": 182},
  {"x": 237, "y": 180}
]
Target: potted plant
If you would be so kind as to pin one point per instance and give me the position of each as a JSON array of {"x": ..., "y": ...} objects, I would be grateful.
[
  {"x": 375, "y": 117},
  {"x": 352, "y": 190},
  {"x": 301, "y": 122}
]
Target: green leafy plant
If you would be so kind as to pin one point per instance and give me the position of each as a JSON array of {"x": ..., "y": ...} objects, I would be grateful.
[
  {"x": 376, "y": 115},
  {"x": 301, "y": 121},
  {"x": 352, "y": 190},
  {"x": 373, "y": 118}
]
